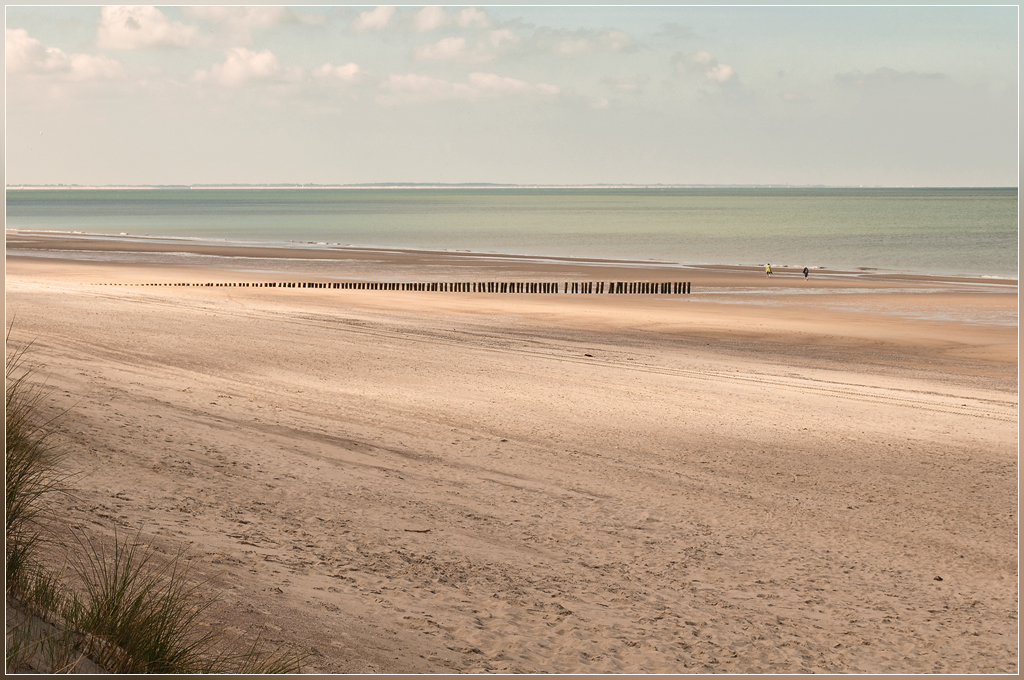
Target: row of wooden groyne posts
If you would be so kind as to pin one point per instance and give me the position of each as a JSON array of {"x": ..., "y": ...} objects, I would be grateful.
[{"x": 570, "y": 287}]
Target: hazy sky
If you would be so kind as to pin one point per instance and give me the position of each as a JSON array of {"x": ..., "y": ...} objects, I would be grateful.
[{"x": 893, "y": 96}]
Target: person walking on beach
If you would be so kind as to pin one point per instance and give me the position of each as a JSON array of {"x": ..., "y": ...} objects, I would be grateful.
[
  {"x": 805, "y": 273},
  {"x": 768, "y": 270}
]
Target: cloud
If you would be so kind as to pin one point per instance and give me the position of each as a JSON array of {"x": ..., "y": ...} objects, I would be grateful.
[
  {"x": 412, "y": 88},
  {"x": 720, "y": 73},
  {"x": 615, "y": 41},
  {"x": 573, "y": 46},
  {"x": 501, "y": 37},
  {"x": 471, "y": 17},
  {"x": 242, "y": 66},
  {"x": 348, "y": 73},
  {"x": 886, "y": 76},
  {"x": 429, "y": 18},
  {"x": 679, "y": 63},
  {"x": 130, "y": 28},
  {"x": 447, "y": 48},
  {"x": 237, "y": 24},
  {"x": 373, "y": 20},
  {"x": 703, "y": 62},
  {"x": 490, "y": 82},
  {"x": 244, "y": 18},
  {"x": 486, "y": 48},
  {"x": 581, "y": 42},
  {"x": 26, "y": 55}
]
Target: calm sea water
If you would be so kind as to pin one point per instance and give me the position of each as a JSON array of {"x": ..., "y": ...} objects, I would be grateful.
[{"x": 942, "y": 231}]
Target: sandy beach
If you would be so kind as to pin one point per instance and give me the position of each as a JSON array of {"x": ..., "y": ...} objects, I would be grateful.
[{"x": 763, "y": 476}]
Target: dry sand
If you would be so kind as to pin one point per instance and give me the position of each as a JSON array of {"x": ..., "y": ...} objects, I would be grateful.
[{"x": 763, "y": 476}]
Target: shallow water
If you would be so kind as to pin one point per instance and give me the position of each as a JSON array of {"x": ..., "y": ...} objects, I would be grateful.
[{"x": 937, "y": 231}]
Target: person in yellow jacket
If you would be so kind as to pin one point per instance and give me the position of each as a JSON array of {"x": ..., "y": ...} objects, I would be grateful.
[{"x": 768, "y": 270}]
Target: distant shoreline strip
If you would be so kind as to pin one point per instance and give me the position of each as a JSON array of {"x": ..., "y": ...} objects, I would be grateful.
[
  {"x": 485, "y": 186},
  {"x": 529, "y": 287}
]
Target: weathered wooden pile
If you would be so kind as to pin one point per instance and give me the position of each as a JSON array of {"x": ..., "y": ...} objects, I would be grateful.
[{"x": 568, "y": 287}]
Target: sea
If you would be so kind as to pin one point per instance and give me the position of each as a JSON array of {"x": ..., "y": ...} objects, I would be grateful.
[{"x": 958, "y": 231}]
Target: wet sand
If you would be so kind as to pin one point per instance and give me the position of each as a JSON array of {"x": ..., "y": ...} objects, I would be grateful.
[{"x": 761, "y": 476}]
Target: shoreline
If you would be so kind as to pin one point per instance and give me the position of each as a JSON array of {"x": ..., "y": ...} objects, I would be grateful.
[
  {"x": 46, "y": 240},
  {"x": 486, "y": 185}
]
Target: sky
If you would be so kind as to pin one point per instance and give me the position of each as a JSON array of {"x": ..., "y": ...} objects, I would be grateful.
[{"x": 808, "y": 95}]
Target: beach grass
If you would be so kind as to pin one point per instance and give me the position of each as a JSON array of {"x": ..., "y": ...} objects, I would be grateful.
[
  {"x": 117, "y": 606},
  {"x": 32, "y": 466}
]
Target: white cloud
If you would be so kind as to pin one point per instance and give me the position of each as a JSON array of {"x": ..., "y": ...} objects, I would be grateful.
[
  {"x": 89, "y": 67},
  {"x": 705, "y": 63},
  {"x": 615, "y": 41},
  {"x": 242, "y": 66},
  {"x": 502, "y": 37},
  {"x": 129, "y": 28},
  {"x": 348, "y": 73},
  {"x": 235, "y": 25},
  {"x": 447, "y": 48},
  {"x": 374, "y": 19},
  {"x": 412, "y": 88},
  {"x": 575, "y": 46},
  {"x": 429, "y": 18},
  {"x": 243, "y": 18},
  {"x": 584, "y": 42},
  {"x": 490, "y": 82},
  {"x": 26, "y": 55},
  {"x": 471, "y": 17},
  {"x": 458, "y": 48},
  {"x": 720, "y": 73},
  {"x": 679, "y": 62}
]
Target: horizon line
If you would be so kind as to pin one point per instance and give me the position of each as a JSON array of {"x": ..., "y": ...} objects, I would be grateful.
[{"x": 481, "y": 185}]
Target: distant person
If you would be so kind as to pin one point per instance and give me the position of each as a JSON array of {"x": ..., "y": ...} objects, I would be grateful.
[
  {"x": 768, "y": 270},
  {"x": 805, "y": 273}
]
